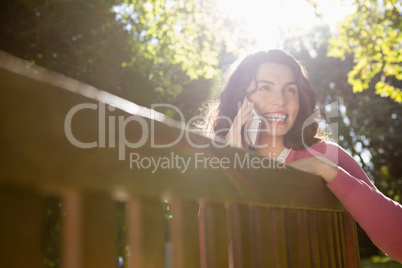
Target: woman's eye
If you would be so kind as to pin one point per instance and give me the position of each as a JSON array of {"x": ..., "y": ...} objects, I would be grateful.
[
  {"x": 265, "y": 88},
  {"x": 290, "y": 90}
]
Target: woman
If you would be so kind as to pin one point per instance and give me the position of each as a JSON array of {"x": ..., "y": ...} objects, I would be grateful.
[{"x": 274, "y": 86}]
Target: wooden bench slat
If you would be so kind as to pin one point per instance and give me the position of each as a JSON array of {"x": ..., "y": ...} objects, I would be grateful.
[
  {"x": 351, "y": 240},
  {"x": 145, "y": 233},
  {"x": 240, "y": 234},
  {"x": 277, "y": 227},
  {"x": 100, "y": 226},
  {"x": 292, "y": 238},
  {"x": 304, "y": 238},
  {"x": 21, "y": 227},
  {"x": 214, "y": 246},
  {"x": 262, "y": 245},
  {"x": 330, "y": 237},
  {"x": 72, "y": 230},
  {"x": 314, "y": 239},
  {"x": 184, "y": 234},
  {"x": 323, "y": 242},
  {"x": 342, "y": 239},
  {"x": 298, "y": 248},
  {"x": 337, "y": 239},
  {"x": 89, "y": 230}
]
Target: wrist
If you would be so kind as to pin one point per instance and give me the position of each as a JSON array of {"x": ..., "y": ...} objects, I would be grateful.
[{"x": 328, "y": 172}]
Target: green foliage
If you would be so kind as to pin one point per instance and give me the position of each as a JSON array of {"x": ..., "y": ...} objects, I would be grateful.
[
  {"x": 379, "y": 262},
  {"x": 171, "y": 34},
  {"x": 52, "y": 228},
  {"x": 144, "y": 51},
  {"x": 373, "y": 35}
]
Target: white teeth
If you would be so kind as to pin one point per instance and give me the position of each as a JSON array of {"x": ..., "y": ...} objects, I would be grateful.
[{"x": 276, "y": 117}]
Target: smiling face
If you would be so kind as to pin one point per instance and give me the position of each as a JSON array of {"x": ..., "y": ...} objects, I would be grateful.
[
  {"x": 276, "y": 96},
  {"x": 281, "y": 73}
]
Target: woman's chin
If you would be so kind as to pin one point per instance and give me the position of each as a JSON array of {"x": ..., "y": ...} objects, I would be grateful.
[
  {"x": 269, "y": 135},
  {"x": 277, "y": 130}
]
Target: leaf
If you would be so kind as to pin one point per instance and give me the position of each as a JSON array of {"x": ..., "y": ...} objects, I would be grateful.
[{"x": 372, "y": 35}]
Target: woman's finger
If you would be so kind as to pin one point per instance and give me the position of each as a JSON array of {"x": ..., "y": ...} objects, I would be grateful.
[
  {"x": 248, "y": 109},
  {"x": 243, "y": 115},
  {"x": 246, "y": 118},
  {"x": 245, "y": 112}
]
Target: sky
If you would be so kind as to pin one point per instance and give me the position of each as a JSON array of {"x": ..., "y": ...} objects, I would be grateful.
[{"x": 265, "y": 19}]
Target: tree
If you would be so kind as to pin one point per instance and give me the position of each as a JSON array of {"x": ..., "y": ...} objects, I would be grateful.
[
  {"x": 372, "y": 35},
  {"x": 144, "y": 51}
]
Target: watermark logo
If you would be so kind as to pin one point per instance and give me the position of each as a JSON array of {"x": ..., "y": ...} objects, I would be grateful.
[
  {"x": 201, "y": 161},
  {"x": 112, "y": 134}
]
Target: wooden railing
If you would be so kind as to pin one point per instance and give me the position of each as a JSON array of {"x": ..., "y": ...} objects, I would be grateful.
[{"x": 221, "y": 217}]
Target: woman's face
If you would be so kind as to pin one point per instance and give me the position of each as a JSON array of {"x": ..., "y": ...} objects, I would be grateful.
[{"x": 276, "y": 97}]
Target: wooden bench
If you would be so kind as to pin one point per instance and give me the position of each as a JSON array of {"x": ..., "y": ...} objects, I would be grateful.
[{"x": 221, "y": 217}]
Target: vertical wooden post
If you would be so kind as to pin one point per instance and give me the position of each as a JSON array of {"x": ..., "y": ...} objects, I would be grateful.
[
  {"x": 277, "y": 230},
  {"x": 89, "y": 230},
  {"x": 72, "y": 230},
  {"x": 262, "y": 246},
  {"x": 314, "y": 239},
  {"x": 184, "y": 234},
  {"x": 239, "y": 229},
  {"x": 292, "y": 238},
  {"x": 21, "y": 227},
  {"x": 353, "y": 259},
  {"x": 337, "y": 238},
  {"x": 297, "y": 234},
  {"x": 327, "y": 225},
  {"x": 323, "y": 242},
  {"x": 214, "y": 245},
  {"x": 304, "y": 238},
  {"x": 145, "y": 231}
]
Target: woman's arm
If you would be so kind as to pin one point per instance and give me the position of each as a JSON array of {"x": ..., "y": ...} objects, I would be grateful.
[
  {"x": 317, "y": 165},
  {"x": 378, "y": 215}
]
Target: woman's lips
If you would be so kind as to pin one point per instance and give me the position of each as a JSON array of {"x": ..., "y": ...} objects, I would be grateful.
[{"x": 278, "y": 118}]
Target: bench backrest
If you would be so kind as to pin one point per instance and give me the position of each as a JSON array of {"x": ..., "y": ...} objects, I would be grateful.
[{"x": 230, "y": 216}]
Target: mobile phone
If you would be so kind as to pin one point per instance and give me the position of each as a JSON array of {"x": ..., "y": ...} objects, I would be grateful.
[{"x": 252, "y": 128}]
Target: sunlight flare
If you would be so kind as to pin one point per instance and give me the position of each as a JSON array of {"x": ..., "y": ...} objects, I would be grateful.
[{"x": 269, "y": 22}]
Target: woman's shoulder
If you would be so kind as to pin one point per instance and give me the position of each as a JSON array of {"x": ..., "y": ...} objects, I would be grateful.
[
  {"x": 324, "y": 146},
  {"x": 326, "y": 149}
]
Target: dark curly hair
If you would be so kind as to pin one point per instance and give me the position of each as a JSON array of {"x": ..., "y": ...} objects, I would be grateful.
[{"x": 239, "y": 78}]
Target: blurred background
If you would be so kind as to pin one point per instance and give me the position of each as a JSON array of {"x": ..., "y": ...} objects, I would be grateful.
[{"x": 177, "y": 51}]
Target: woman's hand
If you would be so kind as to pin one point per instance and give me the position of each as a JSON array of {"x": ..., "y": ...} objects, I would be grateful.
[
  {"x": 317, "y": 165},
  {"x": 244, "y": 114}
]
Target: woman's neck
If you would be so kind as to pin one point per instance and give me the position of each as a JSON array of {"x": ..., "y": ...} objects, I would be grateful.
[{"x": 273, "y": 147}]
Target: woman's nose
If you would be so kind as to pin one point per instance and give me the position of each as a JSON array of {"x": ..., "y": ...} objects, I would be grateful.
[{"x": 278, "y": 98}]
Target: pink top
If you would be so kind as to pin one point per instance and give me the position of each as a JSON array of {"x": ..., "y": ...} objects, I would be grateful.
[{"x": 378, "y": 215}]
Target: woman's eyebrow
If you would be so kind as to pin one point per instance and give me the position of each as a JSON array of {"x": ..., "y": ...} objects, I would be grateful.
[
  {"x": 291, "y": 83},
  {"x": 266, "y": 82},
  {"x": 272, "y": 83}
]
